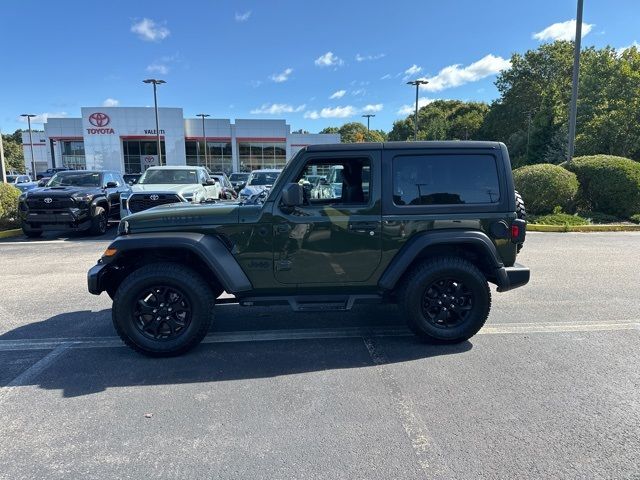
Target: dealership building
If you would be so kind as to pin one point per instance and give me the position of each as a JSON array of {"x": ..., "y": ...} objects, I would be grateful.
[{"x": 124, "y": 139}]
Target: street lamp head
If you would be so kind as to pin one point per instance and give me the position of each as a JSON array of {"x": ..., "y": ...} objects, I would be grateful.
[
  {"x": 203, "y": 115},
  {"x": 368, "y": 115},
  {"x": 417, "y": 82},
  {"x": 29, "y": 115},
  {"x": 154, "y": 81}
]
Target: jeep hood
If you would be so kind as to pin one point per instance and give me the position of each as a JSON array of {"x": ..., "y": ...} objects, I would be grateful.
[
  {"x": 178, "y": 215},
  {"x": 165, "y": 187}
]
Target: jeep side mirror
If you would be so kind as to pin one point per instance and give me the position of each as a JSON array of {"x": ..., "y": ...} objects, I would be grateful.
[{"x": 292, "y": 195}]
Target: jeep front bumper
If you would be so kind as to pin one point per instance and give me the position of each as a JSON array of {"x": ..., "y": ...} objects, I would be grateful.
[{"x": 508, "y": 278}]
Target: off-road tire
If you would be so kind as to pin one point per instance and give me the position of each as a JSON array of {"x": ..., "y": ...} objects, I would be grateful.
[
  {"x": 174, "y": 275},
  {"x": 419, "y": 280},
  {"x": 29, "y": 233},
  {"x": 521, "y": 213},
  {"x": 99, "y": 222}
]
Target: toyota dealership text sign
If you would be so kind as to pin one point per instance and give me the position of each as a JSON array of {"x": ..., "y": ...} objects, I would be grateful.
[{"x": 100, "y": 121}]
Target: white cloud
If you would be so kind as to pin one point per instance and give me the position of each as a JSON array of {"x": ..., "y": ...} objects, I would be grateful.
[
  {"x": 277, "y": 109},
  {"x": 158, "y": 68},
  {"x": 385, "y": 77},
  {"x": 411, "y": 71},
  {"x": 364, "y": 58},
  {"x": 455, "y": 75},
  {"x": 359, "y": 91},
  {"x": 111, "y": 102},
  {"x": 282, "y": 76},
  {"x": 621, "y": 50},
  {"x": 562, "y": 31},
  {"x": 338, "y": 94},
  {"x": 409, "y": 109},
  {"x": 372, "y": 108},
  {"x": 43, "y": 117},
  {"x": 328, "y": 60},
  {"x": 243, "y": 17},
  {"x": 149, "y": 31},
  {"x": 332, "y": 112}
]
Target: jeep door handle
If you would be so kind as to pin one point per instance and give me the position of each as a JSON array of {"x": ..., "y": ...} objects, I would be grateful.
[
  {"x": 283, "y": 228},
  {"x": 364, "y": 226}
]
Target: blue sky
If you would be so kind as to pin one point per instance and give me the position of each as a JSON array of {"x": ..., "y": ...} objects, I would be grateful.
[{"x": 314, "y": 63}]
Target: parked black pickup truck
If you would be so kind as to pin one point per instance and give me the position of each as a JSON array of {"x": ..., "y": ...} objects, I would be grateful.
[{"x": 81, "y": 200}]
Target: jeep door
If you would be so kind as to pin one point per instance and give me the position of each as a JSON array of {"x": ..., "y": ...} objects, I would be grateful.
[{"x": 334, "y": 240}]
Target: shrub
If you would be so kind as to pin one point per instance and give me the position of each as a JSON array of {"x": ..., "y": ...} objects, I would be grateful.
[
  {"x": 560, "y": 219},
  {"x": 8, "y": 205},
  {"x": 598, "y": 217},
  {"x": 608, "y": 184},
  {"x": 635, "y": 218},
  {"x": 545, "y": 186}
]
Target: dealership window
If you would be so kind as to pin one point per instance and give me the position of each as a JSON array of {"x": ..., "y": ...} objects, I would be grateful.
[
  {"x": 436, "y": 179},
  {"x": 258, "y": 155},
  {"x": 73, "y": 154},
  {"x": 135, "y": 152},
  {"x": 218, "y": 157}
]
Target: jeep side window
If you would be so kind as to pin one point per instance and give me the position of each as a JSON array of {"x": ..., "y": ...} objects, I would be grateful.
[
  {"x": 347, "y": 181},
  {"x": 445, "y": 179}
]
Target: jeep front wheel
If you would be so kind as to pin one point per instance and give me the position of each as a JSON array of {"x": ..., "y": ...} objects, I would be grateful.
[
  {"x": 163, "y": 309},
  {"x": 445, "y": 300}
]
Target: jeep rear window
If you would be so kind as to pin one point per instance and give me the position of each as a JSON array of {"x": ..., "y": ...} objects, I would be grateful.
[{"x": 445, "y": 180}]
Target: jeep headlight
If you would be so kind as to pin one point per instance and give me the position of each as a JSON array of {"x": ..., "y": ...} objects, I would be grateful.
[{"x": 123, "y": 227}]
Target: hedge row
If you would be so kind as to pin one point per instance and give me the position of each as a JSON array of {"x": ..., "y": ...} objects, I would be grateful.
[
  {"x": 8, "y": 205},
  {"x": 598, "y": 183}
]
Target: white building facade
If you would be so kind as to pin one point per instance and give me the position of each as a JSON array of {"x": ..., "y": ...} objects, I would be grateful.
[{"x": 124, "y": 139}]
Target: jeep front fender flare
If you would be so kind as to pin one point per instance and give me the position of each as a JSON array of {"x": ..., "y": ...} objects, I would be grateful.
[
  {"x": 207, "y": 248},
  {"x": 416, "y": 245}
]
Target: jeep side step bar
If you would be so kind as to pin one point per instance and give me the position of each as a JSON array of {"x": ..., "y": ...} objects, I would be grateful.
[{"x": 312, "y": 303}]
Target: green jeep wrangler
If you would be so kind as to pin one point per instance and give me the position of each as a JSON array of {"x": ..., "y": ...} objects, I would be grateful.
[{"x": 425, "y": 225}]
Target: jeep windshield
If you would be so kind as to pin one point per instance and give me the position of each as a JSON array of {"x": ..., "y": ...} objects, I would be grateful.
[
  {"x": 176, "y": 177},
  {"x": 262, "y": 178},
  {"x": 73, "y": 179}
]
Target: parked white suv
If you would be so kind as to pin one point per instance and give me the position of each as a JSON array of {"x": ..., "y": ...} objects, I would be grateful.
[{"x": 169, "y": 184}]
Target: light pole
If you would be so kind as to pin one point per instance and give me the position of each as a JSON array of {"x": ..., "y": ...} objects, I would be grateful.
[
  {"x": 33, "y": 160},
  {"x": 528, "y": 132},
  {"x": 368, "y": 116},
  {"x": 574, "y": 85},
  {"x": 155, "y": 102},
  {"x": 417, "y": 83},
  {"x": 2, "y": 167},
  {"x": 204, "y": 136}
]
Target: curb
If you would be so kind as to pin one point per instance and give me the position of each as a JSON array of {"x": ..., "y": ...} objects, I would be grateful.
[
  {"x": 10, "y": 233},
  {"x": 532, "y": 227}
]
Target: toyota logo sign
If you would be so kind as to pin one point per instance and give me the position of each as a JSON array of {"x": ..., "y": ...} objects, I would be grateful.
[
  {"x": 99, "y": 119},
  {"x": 154, "y": 197},
  {"x": 48, "y": 200}
]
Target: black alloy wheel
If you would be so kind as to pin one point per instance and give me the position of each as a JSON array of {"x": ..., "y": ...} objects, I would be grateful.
[
  {"x": 446, "y": 302},
  {"x": 162, "y": 313}
]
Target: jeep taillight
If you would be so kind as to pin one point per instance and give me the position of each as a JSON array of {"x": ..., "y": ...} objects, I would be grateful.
[{"x": 515, "y": 231}]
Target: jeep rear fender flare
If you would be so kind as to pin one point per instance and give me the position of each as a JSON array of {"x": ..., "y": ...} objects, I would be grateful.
[
  {"x": 210, "y": 249},
  {"x": 423, "y": 241}
]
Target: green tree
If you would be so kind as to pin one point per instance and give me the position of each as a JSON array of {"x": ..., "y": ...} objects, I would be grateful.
[
  {"x": 355, "y": 132},
  {"x": 443, "y": 120},
  {"x": 13, "y": 155}
]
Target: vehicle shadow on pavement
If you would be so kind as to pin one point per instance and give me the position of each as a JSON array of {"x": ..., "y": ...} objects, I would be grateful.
[{"x": 83, "y": 371}]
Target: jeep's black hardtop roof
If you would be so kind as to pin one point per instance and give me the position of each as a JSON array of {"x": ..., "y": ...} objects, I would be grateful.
[{"x": 471, "y": 144}]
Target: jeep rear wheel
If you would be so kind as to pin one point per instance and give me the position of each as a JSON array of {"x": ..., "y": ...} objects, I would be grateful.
[
  {"x": 445, "y": 300},
  {"x": 163, "y": 309}
]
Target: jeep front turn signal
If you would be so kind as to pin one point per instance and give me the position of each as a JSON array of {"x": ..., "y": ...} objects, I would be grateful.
[{"x": 109, "y": 252}]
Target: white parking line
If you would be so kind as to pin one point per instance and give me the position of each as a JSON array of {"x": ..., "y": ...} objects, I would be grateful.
[
  {"x": 31, "y": 373},
  {"x": 323, "y": 333}
]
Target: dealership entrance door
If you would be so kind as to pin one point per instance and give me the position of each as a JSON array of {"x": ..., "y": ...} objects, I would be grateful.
[{"x": 140, "y": 154}]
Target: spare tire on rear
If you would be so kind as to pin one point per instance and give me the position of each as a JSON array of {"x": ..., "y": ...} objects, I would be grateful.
[{"x": 521, "y": 212}]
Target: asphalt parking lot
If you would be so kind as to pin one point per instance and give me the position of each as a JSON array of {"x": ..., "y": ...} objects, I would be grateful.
[{"x": 550, "y": 388}]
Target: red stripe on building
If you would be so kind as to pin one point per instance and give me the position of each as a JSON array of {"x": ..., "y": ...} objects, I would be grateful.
[
  {"x": 213, "y": 139},
  {"x": 66, "y": 138},
  {"x": 141, "y": 137},
  {"x": 260, "y": 139}
]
